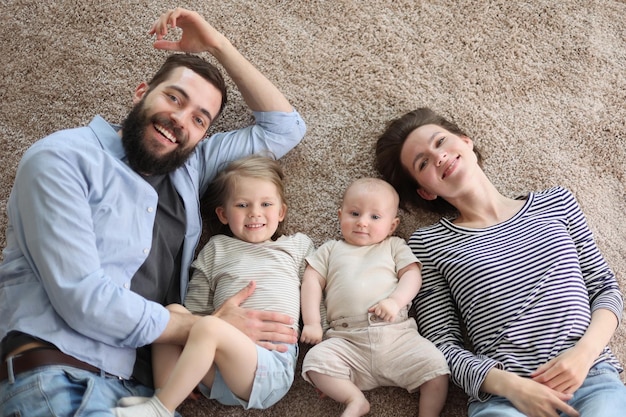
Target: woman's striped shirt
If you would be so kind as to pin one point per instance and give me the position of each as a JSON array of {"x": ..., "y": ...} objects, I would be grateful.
[{"x": 524, "y": 288}]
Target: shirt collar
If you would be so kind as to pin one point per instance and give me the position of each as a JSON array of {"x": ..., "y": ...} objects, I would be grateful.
[{"x": 108, "y": 137}]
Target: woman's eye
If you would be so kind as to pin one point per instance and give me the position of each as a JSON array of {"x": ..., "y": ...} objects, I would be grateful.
[
  {"x": 422, "y": 164},
  {"x": 440, "y": 141}
]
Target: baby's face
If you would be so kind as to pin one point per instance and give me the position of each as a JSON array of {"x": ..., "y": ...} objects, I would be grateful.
[{"x": 368, "y": 215}]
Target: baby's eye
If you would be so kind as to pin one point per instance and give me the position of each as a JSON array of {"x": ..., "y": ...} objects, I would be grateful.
[
  {"x": 354, "y": 213},
  {"x": 375, "y": 216},
  {"x": 267, "y": 204}
]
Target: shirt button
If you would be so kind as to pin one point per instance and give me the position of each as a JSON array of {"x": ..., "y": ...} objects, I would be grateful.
[
  {"x": 145, "y": 251},
  {"x": 126, "y": 285},
  {"x": 150, "y": 209}
]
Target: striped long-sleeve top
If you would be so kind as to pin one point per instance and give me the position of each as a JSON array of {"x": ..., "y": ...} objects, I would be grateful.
[{"x": 524, "y": 289}]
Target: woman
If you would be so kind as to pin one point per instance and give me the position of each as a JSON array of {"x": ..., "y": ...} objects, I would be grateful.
[{"x": 524, "y": 275}]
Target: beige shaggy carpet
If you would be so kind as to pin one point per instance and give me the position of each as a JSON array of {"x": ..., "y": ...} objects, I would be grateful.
[{"x": 539, "y": 85}]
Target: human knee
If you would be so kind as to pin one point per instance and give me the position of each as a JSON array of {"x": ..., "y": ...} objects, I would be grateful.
[
  {"x": 177, "y": 308},
  {"x": 439, "y": 383}
]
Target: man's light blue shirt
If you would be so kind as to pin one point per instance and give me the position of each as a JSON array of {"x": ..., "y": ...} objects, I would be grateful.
[{"x": 80, "y": 226}]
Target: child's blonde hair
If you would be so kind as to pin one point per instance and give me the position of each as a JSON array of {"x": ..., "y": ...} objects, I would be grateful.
[{"x": 257, "y": 166}]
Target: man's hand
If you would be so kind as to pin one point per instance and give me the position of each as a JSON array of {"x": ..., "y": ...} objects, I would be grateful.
[
  {"x": 197, "y": 34},
  {"x": 260, "y": 326}
]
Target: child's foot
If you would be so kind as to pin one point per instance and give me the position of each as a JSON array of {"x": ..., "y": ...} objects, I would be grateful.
[
  {"x": 356, "y": 408},
  {"x": 151, "y": 408}
]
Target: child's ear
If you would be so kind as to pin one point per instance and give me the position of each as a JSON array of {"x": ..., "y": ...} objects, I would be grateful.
[
  {"x": 221, "y": 215},
  {"x": 394, "y": 225},
  {"x": 283, "y": 212},
  {"x": 425, "y": 194}
]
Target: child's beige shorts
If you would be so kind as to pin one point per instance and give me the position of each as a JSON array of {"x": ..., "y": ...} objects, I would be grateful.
[{"x": 374, "y": 353}]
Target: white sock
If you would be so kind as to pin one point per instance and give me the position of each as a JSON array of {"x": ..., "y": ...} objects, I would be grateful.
[
  {"x": 130, "y": 401},
  {"x": 153, "y": 407}
]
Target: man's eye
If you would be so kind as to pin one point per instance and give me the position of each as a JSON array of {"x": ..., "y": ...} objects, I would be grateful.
[{"x": 200, "y": 121}]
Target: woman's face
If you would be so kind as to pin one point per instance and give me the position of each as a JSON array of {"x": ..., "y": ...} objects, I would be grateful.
[{"x": 437, "y": 159}]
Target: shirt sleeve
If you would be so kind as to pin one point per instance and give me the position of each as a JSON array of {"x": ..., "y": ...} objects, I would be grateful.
[
  {"x": 54, "y": 228},
  {"x": 273, "y": 132},
  {"x": 602, "y": 285},
  {"x": 438, "y": 321}
]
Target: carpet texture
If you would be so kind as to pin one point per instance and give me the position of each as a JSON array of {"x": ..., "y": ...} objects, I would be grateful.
[{"x": 539, "y": 85}]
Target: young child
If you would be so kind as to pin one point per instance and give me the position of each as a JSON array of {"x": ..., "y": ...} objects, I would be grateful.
[
  {"x": 230, "y": 367},
  {"x": 369, "y": 278}
]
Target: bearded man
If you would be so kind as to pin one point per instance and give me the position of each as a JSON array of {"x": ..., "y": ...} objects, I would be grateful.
[{"x": 103, "y": 225}]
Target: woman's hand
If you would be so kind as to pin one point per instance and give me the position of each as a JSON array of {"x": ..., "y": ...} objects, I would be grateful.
[
  {"x": 565, "y": 373},
  {"x": 537, "y": 400},
  {"x": 529, "y": 397}
]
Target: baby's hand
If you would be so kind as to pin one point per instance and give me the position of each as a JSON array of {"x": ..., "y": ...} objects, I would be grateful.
[
  {"x": 312, "y": 333},
  {"x": 386, "y": 309}
]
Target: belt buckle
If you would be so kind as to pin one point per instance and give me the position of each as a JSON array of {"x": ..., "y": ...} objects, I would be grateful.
[{"x": 10, "y": 375}]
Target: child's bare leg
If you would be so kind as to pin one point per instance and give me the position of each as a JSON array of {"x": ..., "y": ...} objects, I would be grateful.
[
  {"x": 433, "y": 396},
  {"x": 343, "y": 391},
  {"x": 165, "y": 356},
  {"x": 211, "y": 342}
]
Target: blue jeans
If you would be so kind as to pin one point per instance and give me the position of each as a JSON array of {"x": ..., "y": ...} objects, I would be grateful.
[
  {"x": 601, "y": 394},
  {"x": 59, "y": 390}
]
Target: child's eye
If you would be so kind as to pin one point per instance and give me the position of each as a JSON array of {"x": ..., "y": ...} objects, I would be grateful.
[
  {"x": 354, "y": 213},
  {"x": 267, "y": 204},
  {"x": 375, "y": 216},
  {"x": 241, "y": 205}
]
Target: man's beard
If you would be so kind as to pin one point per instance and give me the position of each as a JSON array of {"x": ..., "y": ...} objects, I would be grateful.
[{"x": 140, "y": 157}]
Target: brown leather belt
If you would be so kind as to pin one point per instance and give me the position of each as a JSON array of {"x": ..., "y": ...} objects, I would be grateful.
[{"x": 38, "y": 357}]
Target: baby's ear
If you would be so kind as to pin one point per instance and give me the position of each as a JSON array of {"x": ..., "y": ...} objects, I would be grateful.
[
  {"x": 394, "y": 225},
  {"x": 425, "y": 194}
]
